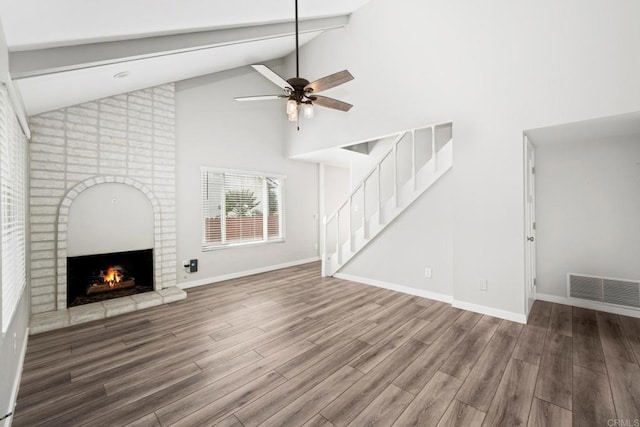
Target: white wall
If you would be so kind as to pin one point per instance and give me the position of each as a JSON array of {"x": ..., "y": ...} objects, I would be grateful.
[
  {"x": 587, "y": 210},
  {"x": 494, "y": 68},
  {"x": 336, "y": 181},
  {"x": 109, "y": 218},
  {"x": 214, "y": 130}
]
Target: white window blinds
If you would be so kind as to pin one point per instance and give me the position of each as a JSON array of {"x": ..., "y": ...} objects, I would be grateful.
[
  {"x": 240, "y": 208},
  {"x": 12, "y": 206}
]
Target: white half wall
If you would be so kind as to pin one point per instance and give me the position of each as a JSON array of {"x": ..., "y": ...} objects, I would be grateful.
[
  {"x": 110, "y": 218},
  {"x": 215, "y": 130},
  {"x": 587, "y": 210},
  {"x": 494, "y": 68}
]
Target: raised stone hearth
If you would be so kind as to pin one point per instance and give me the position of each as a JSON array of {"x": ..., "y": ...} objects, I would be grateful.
[{"x": 50, "y": 321}]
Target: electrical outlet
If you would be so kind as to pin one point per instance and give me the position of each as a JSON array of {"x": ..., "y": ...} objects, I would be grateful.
[
  {"x": 483, "y": 284},
  {"x": 428, "y": 273}
]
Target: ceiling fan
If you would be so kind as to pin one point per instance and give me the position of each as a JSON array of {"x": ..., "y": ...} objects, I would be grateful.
[{"x": 299, "y": 92}]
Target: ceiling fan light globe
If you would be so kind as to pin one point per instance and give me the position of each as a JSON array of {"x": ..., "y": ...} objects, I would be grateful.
[
  {"x": 308, "y": 111},
  {"x": 292, "y": 107},
  {"x": 293, "y": 116}
]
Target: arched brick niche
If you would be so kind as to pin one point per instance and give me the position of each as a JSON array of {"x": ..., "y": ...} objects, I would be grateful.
[{"x": 62, "y": 232}]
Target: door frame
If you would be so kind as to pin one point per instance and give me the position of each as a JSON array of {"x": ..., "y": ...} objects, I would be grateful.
[{"x": 529, "y": 231}]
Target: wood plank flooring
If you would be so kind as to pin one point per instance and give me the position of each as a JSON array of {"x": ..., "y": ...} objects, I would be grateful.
[{"x": 289, "y": 348}]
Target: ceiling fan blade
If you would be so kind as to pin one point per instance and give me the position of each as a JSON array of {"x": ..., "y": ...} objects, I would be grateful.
[
  {"x": 271, "y": 75},
  {"x": 327, "y": 102},
  {"x": 259, "y": 97},
  {"x": 329, "y": 81}
]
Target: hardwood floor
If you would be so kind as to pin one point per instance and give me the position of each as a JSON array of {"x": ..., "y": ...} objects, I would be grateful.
[{"x": 289, "y": 348}]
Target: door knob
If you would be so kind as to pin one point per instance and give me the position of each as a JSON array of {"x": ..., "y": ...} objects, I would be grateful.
[{"x": 530, "y": 238}]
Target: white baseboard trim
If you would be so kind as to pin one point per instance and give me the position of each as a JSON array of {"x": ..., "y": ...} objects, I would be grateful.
[
  {"x": 16, "y": 383},
  {"x": 398, "y": 288},
  {"x": 490, "y": 311},
  {"x": 223, "y": 277},
  {"x": 502, "y": 314},
  {"x": 588, "y": 304}
]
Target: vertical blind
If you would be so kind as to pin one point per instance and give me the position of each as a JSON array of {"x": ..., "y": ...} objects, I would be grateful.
[
  {"x": 240, "y": 207},
  {"x": 12, "y": 206}
]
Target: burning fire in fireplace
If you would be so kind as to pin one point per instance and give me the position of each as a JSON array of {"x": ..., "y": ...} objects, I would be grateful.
[
  {"x": 100, "y": 277},
  {"x": 112, "y": 276},
  {"x": 110, "y": 279}
]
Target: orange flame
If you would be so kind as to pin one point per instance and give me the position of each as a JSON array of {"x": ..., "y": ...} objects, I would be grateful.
[{"x": 112, "y": 276}]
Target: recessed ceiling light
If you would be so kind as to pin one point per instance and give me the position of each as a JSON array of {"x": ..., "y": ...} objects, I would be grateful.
[{"x": 121, "y": 75}]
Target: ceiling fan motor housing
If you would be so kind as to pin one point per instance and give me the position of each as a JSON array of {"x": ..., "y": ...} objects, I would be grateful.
[{"x": 299, "y": 92}]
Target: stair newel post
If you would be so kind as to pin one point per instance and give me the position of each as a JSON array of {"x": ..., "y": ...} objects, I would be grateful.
[
  {"x": 395, "y": 174},
  {"x": 379, "y": 195},
  {"x": 433, "y": 148},
  {"x": 338, "y": 246},
  {"x": 413, "y": 159},
  {"x": 364, "y": 208},
  {"x": 351, "y": 223},
  {"x": 324, "y": 246}
]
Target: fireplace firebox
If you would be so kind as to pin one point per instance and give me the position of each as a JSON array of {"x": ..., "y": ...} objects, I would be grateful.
[{"x": 94, "y": 278}]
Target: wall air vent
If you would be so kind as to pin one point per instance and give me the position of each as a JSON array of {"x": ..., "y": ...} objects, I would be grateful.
[{"x": 620, "y": 292}]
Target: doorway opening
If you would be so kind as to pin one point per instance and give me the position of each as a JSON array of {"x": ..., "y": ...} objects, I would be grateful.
[{"x": 581, "y": 213}]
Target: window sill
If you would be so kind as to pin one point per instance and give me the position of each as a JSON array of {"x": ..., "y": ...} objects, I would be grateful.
[{"x": 241, "y": 245}]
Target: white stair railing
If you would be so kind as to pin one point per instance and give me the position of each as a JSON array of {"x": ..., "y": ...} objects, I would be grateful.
[{"x": 415, "y": 160}]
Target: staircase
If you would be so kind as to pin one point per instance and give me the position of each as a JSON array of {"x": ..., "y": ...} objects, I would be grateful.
[{"x": 416, "y": 159}]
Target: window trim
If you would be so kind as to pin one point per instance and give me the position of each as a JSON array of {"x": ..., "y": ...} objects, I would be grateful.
[{"x": 221, "y": 246}]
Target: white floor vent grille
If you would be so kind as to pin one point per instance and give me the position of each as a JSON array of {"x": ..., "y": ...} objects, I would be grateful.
[{"x": 620, "y": 292}]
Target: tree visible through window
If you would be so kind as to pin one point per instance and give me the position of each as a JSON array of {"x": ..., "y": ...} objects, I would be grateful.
[{"x": 240, "y": 207}]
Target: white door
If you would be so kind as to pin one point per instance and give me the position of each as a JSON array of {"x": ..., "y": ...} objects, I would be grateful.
[{"x": 530, "y": 223}]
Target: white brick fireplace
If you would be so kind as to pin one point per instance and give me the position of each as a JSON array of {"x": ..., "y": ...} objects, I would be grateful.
[{"x": 126, "y": 139}]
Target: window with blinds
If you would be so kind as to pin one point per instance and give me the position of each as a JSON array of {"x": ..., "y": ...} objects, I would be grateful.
[
  {"x": 241, "y": 208},
  {"x": 12, "y": 210}
]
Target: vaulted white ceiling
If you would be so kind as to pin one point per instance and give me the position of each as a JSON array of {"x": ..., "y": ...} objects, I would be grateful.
[{"x": 66, "y": 52}]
